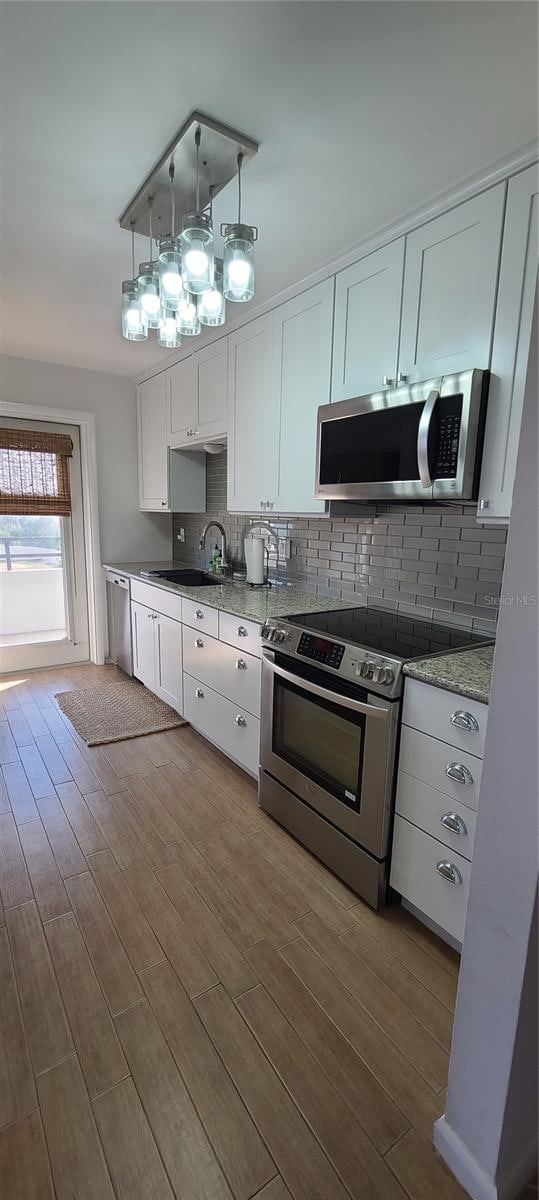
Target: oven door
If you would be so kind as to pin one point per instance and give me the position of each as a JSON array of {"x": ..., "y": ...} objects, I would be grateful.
[{"x": 334, "y": 747}]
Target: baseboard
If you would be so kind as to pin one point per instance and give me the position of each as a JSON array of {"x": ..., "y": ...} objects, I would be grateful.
[{"x": 470, "y": 1173}]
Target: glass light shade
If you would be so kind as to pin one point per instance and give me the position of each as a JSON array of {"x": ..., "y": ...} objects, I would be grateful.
[
  {"x": 170, "y": 274},
  {"x": 239, "y": 264},
  {"x": 168, "y": 334},
  {"x": 197, "y": 253},
  {"x": 134, "y": 326},
  {"x": 187, "y": 315},
  {"x": 148, "y": 290},
  {"x": 211, "y": 306}
]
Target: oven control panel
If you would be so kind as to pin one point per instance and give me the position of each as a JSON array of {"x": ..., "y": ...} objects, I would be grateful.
[{"x": 330, "y": 654}]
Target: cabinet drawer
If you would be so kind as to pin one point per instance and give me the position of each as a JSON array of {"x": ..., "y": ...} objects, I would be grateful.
[
  {"x": 428, "y": 759},
  {"x": 414, "y": 874},
  {"x": 159, "y": 599},
  {"x": 434, "y": 813},
  {"x": 234, "y": 675},
  {"x": 236, "y": 732},
  {"x": 245, "y": 635},
  {"x": 200, "y": 616},
  {"x": 433, "y": 710}
]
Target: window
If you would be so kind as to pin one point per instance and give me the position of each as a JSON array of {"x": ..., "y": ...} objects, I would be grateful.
[{"x": 34, "y": 473}]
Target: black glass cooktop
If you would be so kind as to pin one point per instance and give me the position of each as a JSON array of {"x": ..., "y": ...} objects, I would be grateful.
[{"x": 395, "y": 634}]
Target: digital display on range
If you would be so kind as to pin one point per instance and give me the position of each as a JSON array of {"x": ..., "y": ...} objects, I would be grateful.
[{"x": 318, "y": 649}]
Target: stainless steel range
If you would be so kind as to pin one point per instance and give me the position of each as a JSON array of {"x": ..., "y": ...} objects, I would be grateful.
[{"x": 331, "y": 697}]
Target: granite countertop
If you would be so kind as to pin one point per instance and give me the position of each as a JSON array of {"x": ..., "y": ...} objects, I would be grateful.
[
  {"x": 467, "y": 672},
  {"x": 255, "y": 604}
]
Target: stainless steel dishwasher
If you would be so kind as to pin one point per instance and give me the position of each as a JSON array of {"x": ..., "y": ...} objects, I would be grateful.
[{"x": 119, "y": 620}]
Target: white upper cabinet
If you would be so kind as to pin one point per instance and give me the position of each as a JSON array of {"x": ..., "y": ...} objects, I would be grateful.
[
  {"x": 252, "y": 426},
  {"x": 449, "y": 297},
  {"x": 511, "y": 347},
  {"x": 198, "y": 396},
  {"x": 302, "y": 337},
  {"x": 183, "y": 401},
  {"x": 153, "y": 453},
  {"x": 367, "y": 322}
]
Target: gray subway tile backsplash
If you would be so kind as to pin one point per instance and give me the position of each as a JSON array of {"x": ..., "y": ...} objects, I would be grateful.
[{"x": 435, "y": 563}]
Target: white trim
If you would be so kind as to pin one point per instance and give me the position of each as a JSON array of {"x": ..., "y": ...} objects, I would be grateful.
[
  {"x": 469, "y": 1172},
  {"x": 499, "y": 171},
  {"x": 94, "y": 575}
]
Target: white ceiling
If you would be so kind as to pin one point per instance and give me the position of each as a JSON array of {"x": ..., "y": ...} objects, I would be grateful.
[{"x": 363, "y": 111}]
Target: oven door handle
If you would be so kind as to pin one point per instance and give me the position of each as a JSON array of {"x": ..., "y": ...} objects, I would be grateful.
[
  {"x": 370, "y": 710},
  {"x": 423, "y": 439}
]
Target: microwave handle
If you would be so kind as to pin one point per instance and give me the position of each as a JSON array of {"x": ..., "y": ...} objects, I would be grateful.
[
  {"x": 423, "y": 439},
  {"x": 370, "y": 710}
]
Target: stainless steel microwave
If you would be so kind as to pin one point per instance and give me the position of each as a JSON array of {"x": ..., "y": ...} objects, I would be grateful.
[{"x": 420, "y": 441}]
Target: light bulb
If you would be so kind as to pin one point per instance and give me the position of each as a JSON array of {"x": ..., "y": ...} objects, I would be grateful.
[
  {"x": 238, "y": 272},
  {"x": 196, "y": 260},
  {"x": 172, "y": 282},
  {"x": 133, "y": 318},
  {"x": 212, "y": 301},
  {"x": 187, "y": 310},
  {"x": 150, "y": 303}
]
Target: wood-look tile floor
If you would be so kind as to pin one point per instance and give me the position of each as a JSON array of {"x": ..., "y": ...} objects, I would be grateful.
[{"x": 192, "y": 1006}]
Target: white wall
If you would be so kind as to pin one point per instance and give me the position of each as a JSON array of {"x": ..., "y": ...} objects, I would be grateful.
[
  {"x": 126, "y": 534},
  {"x": 488, "y": 1134}
]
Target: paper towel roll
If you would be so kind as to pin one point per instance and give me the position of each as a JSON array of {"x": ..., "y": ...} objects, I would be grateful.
[{"x": 255, "y": 549}]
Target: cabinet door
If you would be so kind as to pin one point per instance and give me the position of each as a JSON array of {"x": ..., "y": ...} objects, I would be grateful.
[
  {"x": 182, "y": 418},
  {"x": 252, "y": 418},
  {"x": 511, "y": 347},
  {"x": 168, "y": 661},
  {"x": 211, "y": 369},
  {"x": 367, "y": 320},
  {"x": 142, "y": 629},
  {"x": 153, "y": 451},
  {"x": 302, "y": 338},
  {"x": 450, "y": 289}
]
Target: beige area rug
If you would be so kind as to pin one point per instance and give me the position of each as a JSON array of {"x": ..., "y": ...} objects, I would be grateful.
[{"x": 114, "y": 711}]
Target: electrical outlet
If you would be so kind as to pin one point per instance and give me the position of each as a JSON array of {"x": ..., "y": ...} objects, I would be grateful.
[
  {"x": 284, "y": 549},
  {"x": 181, "y": 535}
]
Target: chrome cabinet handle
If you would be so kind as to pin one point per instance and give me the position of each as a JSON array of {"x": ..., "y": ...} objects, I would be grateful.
[
  {"x": 464, "y": 720},
  {"x": 263, "y": 504},
  {"x": 240, "y": 664},
  {"x": 198, "y": 643},
  {"x": 239, "y": 720},
  {"x": 387, "y": 380},
  {"x": 199, "y": 694},
  {"x": 402, "y": 378},
  {"x": 199, "y": 614},
  {"x": 269, "y": 503},
  {"x": 459, "y": 773},
  {"x": 241, "y": 631},
  {"x": 423, "y": 438},
  {"x": 454, "y": 824},
  {"x": 449, "y": 871}
]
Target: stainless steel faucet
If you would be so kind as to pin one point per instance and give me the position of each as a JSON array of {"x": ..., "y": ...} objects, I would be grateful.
[{"x": 205, "y": 531}]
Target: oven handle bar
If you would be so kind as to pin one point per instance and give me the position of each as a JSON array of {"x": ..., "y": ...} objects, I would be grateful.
[
  {"x": 370, "y": 710},
  {"x": 423, "y": 439}
]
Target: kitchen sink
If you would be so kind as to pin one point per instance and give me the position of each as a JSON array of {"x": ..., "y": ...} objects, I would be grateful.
[{"x": 188, "y": 578}]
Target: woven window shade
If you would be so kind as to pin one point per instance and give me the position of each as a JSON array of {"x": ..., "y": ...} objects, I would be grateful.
[{"x": 34, "y": 473}]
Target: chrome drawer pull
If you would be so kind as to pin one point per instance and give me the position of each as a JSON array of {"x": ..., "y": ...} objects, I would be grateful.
[
  {"x": 464, "y": 720},
  {"x": 459, "y": 773},
  {"x": 199, "y": 614},
  {"x": 240, "y": 664},
  {"x": 454, "y": 824},
  {"x": 199, "y": 694},
  {"x": 198, "y": 643},
  {"x": 242, "y": 632},
  {"x": 239, "y": 720},
  {"x": 449, "y": 871}
]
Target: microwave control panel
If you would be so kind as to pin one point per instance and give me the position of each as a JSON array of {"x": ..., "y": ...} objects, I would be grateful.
[{"x": 447, "y": 448}]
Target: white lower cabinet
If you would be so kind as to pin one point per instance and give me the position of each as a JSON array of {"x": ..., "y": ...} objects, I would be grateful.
[
  {"x": 231, "y": 673},
  {"x": 157, "y": 653},
  {"x": 234, "y": 730},
  {"x": 436, "y": 802}
]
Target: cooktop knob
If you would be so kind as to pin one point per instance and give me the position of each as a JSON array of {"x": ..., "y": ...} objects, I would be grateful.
[
  {"x": 280, "y": 635},
  {"x": 367, "y": 669},
  {"x": 265, "y": 631}
]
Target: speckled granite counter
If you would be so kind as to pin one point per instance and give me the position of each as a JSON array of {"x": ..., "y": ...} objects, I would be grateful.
[
  {"x": 255, "y": 604},
  {"x": 467, "y": 672}
]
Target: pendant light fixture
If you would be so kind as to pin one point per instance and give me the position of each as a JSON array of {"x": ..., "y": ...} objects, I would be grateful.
[
  {"x": 238, "y": 258},
  {"x": 197, "y": 241},
  {"x": 148, "y": 283},
  {"x": 168, "y": 334},
  {"x": 170, "y": 259},
  {"x": 187, "y": 315},
  {"x": 211, "y": 305},
  {"x": 134, "y": 325}
]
